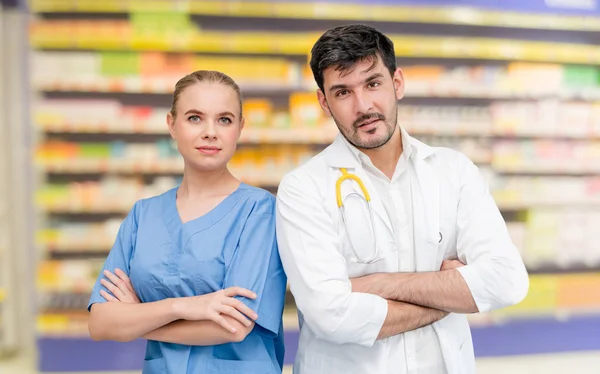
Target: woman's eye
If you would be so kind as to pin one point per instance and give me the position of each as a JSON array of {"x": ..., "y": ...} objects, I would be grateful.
[
  {"x": 225, "y": 120},
  {"x": 194, "y": 118}
]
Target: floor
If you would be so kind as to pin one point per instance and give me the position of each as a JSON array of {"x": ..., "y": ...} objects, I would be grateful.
[{"x": 575, "y": 363}]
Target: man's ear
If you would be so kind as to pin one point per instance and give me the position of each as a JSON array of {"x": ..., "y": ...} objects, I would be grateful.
[
  {"x": 323, "y": 102},
  {"x": 398, "y": 79}
]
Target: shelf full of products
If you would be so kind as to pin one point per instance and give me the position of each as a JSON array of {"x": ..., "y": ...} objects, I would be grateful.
[{"x": 526, "y": 112}]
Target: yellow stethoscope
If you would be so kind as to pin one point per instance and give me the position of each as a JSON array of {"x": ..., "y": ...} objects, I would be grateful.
[{"x": 367, "y": 197}]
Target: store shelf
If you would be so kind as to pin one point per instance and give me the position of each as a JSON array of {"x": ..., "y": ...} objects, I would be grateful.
[
  {"x": 57, "y": 255},
  {"x": 152, "y": 87},
  {"x": 546, "y": 169},
  {"x": 84, "y": 36},
  {"x": 329, "y": 10},
  {"x": 566, "y": 269},
  {"x": 249, "y": 135},
  {"x": 165, "y": 87},
  {"x": 101, "y": 166},
  {"x": 557, "y": 204},
  {"x": 98, "y": 245},
  {"x": 76, "y": 353},
  {"x": 77, "y": 167},
  {"x": 91, "y": 209},
  {"x": 298, "y": 135}
]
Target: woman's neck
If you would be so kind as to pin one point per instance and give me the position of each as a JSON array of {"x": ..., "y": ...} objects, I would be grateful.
[{"x": 199, "y": 185}]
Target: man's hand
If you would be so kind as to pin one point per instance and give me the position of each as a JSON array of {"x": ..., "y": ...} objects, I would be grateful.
[
  {"x": 451, "y": 264},
  {"x": 366, "y": 283}
]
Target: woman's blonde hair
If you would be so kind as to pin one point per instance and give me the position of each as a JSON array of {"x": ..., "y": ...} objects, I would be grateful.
[{"x": 204, "y": 76}]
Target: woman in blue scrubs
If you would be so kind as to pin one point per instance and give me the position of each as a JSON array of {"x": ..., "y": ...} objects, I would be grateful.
[{"x": 196, "y": 270}]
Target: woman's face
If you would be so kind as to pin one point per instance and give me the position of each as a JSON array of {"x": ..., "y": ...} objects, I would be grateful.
[{"x": 207, "y": 125}]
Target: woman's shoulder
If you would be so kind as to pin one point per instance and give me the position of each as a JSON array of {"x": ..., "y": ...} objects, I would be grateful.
[
  {"x": 262, "y": 200},
  {"x": 152, "y": 202}
]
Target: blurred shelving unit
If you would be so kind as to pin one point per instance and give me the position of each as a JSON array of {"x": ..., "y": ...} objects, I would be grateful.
[
  {"x": 3, "y": 220},
  {"x": 5, "y": 271},
  {"x": 13, "y": 233},
  {"x": 518, "y": 91}
]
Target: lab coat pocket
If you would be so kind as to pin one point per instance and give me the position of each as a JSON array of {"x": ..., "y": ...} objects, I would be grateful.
[
  {"x": 220, "y": 366},
  {"x": 320, "y": 363},
  {"x": 454, "y": 334},
  {"x": 155, "y": 366},
  {"x": 467, "y": 354}
]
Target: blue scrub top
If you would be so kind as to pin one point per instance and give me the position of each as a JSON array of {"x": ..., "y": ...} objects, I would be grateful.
[{"x": 232, "y": 245}]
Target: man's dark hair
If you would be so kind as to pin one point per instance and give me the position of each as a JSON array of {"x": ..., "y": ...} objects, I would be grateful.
[{"x": 344, "y": 46}]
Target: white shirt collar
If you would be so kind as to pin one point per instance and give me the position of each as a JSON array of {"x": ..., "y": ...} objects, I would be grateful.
[{"x": 407, "y": 150}]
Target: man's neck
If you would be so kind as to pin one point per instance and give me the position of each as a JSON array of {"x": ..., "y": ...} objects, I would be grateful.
[{"x": 386, "y": 158}]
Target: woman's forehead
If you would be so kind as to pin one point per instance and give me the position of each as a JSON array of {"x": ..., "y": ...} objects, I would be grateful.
[{"x": 209, "y": 97}]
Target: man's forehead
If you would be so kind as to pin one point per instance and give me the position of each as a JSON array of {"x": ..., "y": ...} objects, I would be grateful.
[{"x": 358, "y": 72}]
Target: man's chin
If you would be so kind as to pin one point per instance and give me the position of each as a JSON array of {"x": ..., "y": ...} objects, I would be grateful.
[{"x": 370, "y": 144}]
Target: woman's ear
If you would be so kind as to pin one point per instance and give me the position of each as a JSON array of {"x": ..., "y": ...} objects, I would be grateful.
[
  {"x": 242, "y": 123},
  {"x": 171, "y": 124}
]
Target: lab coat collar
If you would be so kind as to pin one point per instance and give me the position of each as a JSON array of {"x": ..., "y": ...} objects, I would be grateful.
[{"x": 342, "y": 154}]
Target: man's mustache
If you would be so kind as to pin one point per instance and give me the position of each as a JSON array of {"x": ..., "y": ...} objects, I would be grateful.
[{"x": 365, "y": 117}]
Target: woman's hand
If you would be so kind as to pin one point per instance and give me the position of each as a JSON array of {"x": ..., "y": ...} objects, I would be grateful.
[
  {"x": 215, "y": 305},
  {"x": 195, "y": 308},
  {"x": 120, "y": 286}
]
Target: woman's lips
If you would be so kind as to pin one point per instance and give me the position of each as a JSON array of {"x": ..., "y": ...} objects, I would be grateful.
[{"x": 208, "y": 150}]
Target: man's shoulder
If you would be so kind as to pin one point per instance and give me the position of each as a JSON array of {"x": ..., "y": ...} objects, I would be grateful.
[
  {"x": 315, "y": 165},
  {"x": 446, "y": 157},
  {"x": 309, "y": 173}
]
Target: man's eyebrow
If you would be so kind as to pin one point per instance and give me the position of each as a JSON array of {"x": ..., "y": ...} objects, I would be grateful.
[
  {"x": 344, "y": 86},
  {"x": 373, "y": 77},
  {"x": 336, "y": 87}
]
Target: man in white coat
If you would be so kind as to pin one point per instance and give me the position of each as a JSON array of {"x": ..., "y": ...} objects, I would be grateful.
[{"x": 385, "y": 263}]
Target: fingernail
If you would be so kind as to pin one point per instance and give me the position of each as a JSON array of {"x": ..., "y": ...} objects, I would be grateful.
[{"x": 233, "y": 331}]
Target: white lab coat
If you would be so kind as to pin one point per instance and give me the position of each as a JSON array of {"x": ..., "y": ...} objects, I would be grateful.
[{"x": 339, "y": 327}]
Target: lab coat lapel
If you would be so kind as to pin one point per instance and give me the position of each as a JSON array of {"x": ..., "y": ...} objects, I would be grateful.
[
  {"x": 376, "y": 203},
  {"x": 338, "y": 155},
  {"x": 426, "y": 214}
]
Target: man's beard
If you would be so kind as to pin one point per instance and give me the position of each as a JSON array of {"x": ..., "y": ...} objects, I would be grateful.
[{"x": 354, "y": 138}]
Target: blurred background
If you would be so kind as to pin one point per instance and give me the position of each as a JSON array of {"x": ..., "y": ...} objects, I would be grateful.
[{"x": 85, "y": 86}]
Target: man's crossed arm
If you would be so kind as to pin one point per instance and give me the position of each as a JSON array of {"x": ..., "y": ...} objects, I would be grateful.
[{"x": 416, "y": 300}]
